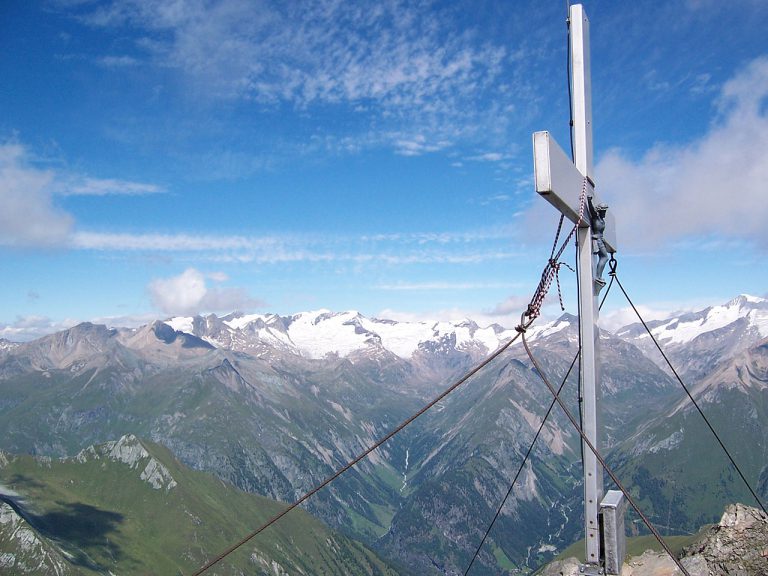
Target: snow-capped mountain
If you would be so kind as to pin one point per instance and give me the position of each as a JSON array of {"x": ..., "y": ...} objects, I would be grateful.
[
  {"x": 698, "y": 341},
  {"x": 7, "y": 344},
  {"x": 274, "y": 404},
  {"x": 319, "y": 333},
  {"x": 688, "y": 327}
]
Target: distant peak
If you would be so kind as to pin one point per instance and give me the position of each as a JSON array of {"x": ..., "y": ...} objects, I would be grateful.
[
  {"x": 163, "y": 331},
  {"x": 567, "y": 317},
  {"x": 232, "y": 316},
  {"x": 743, "y": 299}
]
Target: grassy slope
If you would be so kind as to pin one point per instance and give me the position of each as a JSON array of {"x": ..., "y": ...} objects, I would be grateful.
[
  {"x": 636, "y": 545},
  {"x": 109, "y": 518}
]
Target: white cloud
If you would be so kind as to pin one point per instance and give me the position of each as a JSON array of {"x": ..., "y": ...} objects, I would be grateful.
[
  {"x": 126, "y": 320},
  {"x": 418, "y": 144},
  {"x": 165, "y": 242},
  {"x": 118, "y": 61},
  {"x": 428, "y": 286},
  {"x": 490, "y": 157},
  {"x": 512, "y": 305},
  {"x": 26, "y": 328},
  {"x": 714, "y": 186},
  {"x": 496, "y": 198},
  {"x": 188, "y": 294},
  {"x": 497, "y": 233},
  {"x": 620, "y": 317},
  {"x": 28, "y": 216},
  {"x": 105, "y": 186},
  {"x": 404, "y": 63},
  {"x": 506, "y": 313},
  {"x": 390, "y": 249},
  {"x": 443, "y": 315},
  {"x": 482, "y": 318},
  {"x": 304, "y": 52}
]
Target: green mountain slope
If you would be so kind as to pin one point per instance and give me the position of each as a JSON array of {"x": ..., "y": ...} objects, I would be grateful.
[
  {"x": 273, "y": 426},
  {"x": 680, "y": 475},
  {"x": 129, "y": 507},
  {"x": 463, "y": 457}
]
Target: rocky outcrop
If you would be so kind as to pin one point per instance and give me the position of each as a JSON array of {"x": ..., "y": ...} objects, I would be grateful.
[
  {"x": 130, "y": 451},
  {"x": 23, "y": 552},
  {"x": 736, "y": 546}
]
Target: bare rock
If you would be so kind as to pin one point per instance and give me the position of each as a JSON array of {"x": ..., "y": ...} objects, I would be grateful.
[
  {"x": 737, "y": 546},
  {"x": 567, "y": 567}
]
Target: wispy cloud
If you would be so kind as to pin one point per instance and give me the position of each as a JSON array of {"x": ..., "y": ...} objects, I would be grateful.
[
  {"x": 166, "y": 242},
  {"x": 429, "y": 316},
  {"x": 309, "y": 51},
  {"x": 490, "y": 157},
  {"x": 405, "y": 64},
  {"x": 712, "y": 186},
  {"x": 515, "y": 304},
  {"x": 83, "y": 186},
  {"x": 496, "y": 198},
  {"x": 660, "y": 310},
  {"x": 429, "y": 286},
  {"x": 497, "y": 233},
  {"x": 507, "y": 319},
  {"x": 118, "y": 61},
  {"x": 385, "y": 249},
  {"x": 418, "y": 144}
]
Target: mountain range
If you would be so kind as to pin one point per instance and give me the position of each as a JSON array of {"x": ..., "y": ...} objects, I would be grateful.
[{"x": 274, "y": 404}]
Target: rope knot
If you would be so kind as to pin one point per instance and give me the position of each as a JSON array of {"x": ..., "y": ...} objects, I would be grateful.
[{"x": 612, "y": 265}]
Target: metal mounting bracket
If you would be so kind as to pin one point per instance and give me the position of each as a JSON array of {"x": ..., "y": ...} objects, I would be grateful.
[{"x": 591, "y": 570}]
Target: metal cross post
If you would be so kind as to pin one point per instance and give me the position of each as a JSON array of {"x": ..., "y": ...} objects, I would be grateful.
[{"x": 561, "y": 182}]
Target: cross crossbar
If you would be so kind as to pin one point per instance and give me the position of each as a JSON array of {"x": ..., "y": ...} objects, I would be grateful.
[{"x": 559, "y": 182}]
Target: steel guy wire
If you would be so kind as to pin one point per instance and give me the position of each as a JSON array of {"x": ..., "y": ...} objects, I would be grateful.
[
  {"x": 520, "y": 469},
  {"x": 599, "y": 457},
  {"x": 361, "y": 456},
  {"x": 530, "y": 448},
  {"x": 687, "y": 391}
]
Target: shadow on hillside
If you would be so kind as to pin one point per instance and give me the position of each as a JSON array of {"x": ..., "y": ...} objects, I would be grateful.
[
  {"x": 79, "y": 526},
  {"x": 26, "y": 481}
]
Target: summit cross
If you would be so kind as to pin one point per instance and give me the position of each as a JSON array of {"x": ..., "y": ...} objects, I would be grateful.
[{"x": 564, "y": 183}]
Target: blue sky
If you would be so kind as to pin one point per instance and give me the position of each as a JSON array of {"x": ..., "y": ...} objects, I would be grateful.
[{"x": 187, "y": 156}]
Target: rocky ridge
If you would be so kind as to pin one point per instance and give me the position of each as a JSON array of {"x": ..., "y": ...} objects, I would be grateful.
[
  {"x": 23, "y": 552},
  {"x": 736, "y": 546},
  {"x": 130, "y": 451}
]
